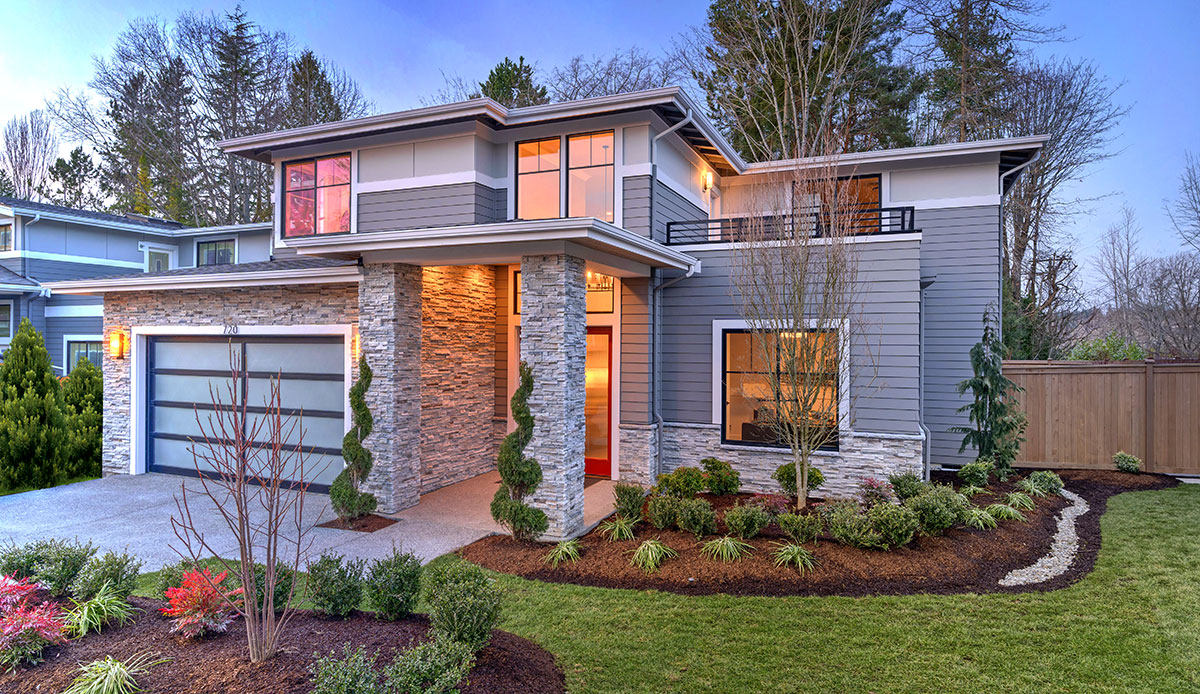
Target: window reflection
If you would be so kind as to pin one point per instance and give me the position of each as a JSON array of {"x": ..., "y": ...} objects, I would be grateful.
[
  {"x": 317, "y": 196},
  {"x": 538, "y": 179}
]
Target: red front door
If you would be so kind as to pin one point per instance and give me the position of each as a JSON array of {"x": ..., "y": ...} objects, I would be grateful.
[{"x": 598, "y": 403}]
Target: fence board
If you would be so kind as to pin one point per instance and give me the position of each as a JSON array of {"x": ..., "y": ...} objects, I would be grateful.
[{"x": 1081, "y": 413}]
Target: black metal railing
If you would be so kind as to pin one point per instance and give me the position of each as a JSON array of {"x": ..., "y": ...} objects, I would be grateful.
[{"x": 864, "y": 221}]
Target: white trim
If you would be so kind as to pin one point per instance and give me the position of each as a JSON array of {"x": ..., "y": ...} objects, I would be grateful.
[
  {"x": 729, "y": 246},
  {"x": 222, "y": 229},
  {"x": 67, "y": 339},
  {"x": 430, "y": 181},
  {"x": 12, "y": 312},
  {"x": 902, "y": 154},
  {"x": 148, "y": 247},
  {"x": 339, "y": 273},
  {"x": 137, "y": 368},
  {"x": 220, "y": 239},
  {"x": 67, "y": 258},
  {"x": 75, "y": 311}
]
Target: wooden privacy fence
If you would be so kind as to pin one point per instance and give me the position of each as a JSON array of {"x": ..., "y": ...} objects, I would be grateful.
[{"x": 1081, "y": 413}]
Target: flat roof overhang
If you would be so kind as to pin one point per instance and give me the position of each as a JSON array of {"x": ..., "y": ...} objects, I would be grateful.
[{"x": 348, "y": 272}]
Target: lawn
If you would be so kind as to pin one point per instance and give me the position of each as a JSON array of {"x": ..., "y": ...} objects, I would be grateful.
[
  {"x": 4, "y": 491},
  {"x": 1131, "y": 625}
]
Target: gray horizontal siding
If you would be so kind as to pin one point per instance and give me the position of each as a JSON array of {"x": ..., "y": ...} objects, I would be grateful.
[
  {"x": 638, "y": 210},
  {"x": 448, "y": 205},
  {"x": 961, "y": 246},
  {"x": 635, "y": 204},
  {"x": 57, "y": 328},
  {"x": 884, "y": 359},
  {"x": 53, "y": 270},
  {"x": 635, "y": 350},
  {"x": 670, "y": 206}
]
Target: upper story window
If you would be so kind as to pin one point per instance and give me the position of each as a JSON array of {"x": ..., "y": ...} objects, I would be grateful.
[
  {"x": 6, "y": 237},
  {"x": 590, "y": 176},
  {"x": 316, "y": 196},
  {"x": 6, "y": 322},
  {"x": 538, "y": 169},
  {"x": 215, "y": 252}
]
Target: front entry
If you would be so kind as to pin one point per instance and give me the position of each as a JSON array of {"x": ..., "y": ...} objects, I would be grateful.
[{"x": 598, "y": 403}]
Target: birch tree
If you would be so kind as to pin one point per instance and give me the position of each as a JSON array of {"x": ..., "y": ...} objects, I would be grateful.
[{"x": 30, "y": 148}]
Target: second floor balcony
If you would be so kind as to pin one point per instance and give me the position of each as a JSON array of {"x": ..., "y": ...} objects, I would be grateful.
[{"x": 856, "y": 222}]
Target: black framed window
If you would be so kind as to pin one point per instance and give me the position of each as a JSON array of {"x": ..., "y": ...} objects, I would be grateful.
[
  {"x": 750, "y": 401},
  {"x": 538, "y": 184},
  {"x": 215, "y": 252},
  {"x": 316, "y": 197},
  {"x": 601, "y": 293},
  {"x": 76, "y": 350},
  {"x": 590, "y": 175},
  {"x": 6, "y": 322},
  {"x": 6, "y": 237}
]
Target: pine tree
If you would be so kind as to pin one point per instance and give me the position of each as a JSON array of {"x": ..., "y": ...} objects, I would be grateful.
[
  {"x": 998, "y": 422},
  {"x": 7, "y": 189},
  {"x": 83, "y": 406},
  {"x": 31, "y": 417},
  {"x": 344, "y": 494},
  {"x": 519, "y": 476},
  {"x": 512, "y": 84},
  {"x": 976, "y": 55},
  {"x": 73, "y": 182},
  {"x": 310, "y": 93}
]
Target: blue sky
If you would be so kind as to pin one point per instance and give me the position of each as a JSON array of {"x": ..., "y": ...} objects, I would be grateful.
[{"x": 398, "y": 52}]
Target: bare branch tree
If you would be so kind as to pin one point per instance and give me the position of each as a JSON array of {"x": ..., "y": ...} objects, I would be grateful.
[
  {"x": 30, "y": 149},
  {"x": 1121, "y": 268},
  {"x": 620, "y": 73},
  {"x": 1169, "y": 306},
  {"x": 1185, "y": 211}
]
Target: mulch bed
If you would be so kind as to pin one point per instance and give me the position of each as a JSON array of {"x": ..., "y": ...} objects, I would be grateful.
[
  {"x": 963, "y": 560},
  {"x": 366, "y": 524},
  {"x": 219, "y": 664}
]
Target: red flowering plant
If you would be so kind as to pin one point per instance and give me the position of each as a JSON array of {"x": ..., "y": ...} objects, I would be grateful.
[
  {"x": 201, "y": 605},
  {"x": 26, "y": 629},
  {"x": 14, "y": 591}
]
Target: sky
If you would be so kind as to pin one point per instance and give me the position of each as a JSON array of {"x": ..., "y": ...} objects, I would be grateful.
[{"x": 400, "y": 51}]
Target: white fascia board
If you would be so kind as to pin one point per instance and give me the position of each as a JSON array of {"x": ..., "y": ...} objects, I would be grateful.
[
  {"x": 223, "y": 229},
  {"x": 345, "y": 273},
  {"x": 902, "y": 154},
  {"x": 88, "y": 221}
]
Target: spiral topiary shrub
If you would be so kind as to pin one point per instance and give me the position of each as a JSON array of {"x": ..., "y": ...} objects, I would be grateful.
[
  {"x": 345, "y": 496},
  {"x": 519, "y": 475}
]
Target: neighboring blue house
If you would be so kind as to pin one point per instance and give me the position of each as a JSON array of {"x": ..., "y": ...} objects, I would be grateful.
[{"x": 42, "y": 243}]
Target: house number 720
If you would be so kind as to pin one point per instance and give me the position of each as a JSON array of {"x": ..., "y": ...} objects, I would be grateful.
[{"x": 231, "y": 329}]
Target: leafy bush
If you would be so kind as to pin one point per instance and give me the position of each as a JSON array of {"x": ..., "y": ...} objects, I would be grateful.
[
  {"x": 97, "y": 612},
  {"x": 118, "y": 570},
  {"x": 519, "y": 475},
  {"x": 348, "y": 501},
  {"x": 1045, "y": 481},
  {"x": 650, "y": 555},
  {"x": 907, "y": 485},
  {"x": 54, "y": 563},
  {"x": 352, "y": 673},
  {"x": 976, "y": 474},
  {"x": 979, "y": 519},
  {"x": 200, "y": 606},
  {"x": 1126, "y": 462},
  {"x": 785, "y": 475},
  {"x": 662, "y": 511},
  {"x": 618, "y": 529},
  {"x": 1020, "y": 501},
  {"x": 1004, "y": 512},
  {"x": 683, "y": 482},
  {"x": 872, "y": 491},
  {"x": 284, "y": 578},
  {"x": 696, "y": 516},
  {"x": 850, "y": 527},
  {"x": 111, "y": 676},
  {"x": 720, "y": 477},
  {"x": 787, "y": 554},
  {"x": 629, "y": 499},
  {"x": 775, "y": 504},
  {"x": 393, "y": 584},
  {"x": 32, "y": 425},
  {"x": 802, "y": 528},
  {"x": 938, "y": 508},
  {"x": 747, "y": 521},
  {"x": 726, "y": 549},
  {"x": 335, "y": 584},
  {"x": 434, "y": 667},
  {"x": 565, "y": 551},
  {"x": 464, "y": 604},
  {"x": 83, "y": 407},
  {"x": 894, "y": 524},
  {"x": 1110, "y": 348},
  {"x": 25, "y": 630}
]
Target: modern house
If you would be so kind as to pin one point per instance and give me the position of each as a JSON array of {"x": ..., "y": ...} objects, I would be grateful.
[
  {"x": 42, "y": 243},
  {"x": 589, "y": 239}
]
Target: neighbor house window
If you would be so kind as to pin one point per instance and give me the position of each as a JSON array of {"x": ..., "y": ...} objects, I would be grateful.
[
  {"x": 159, "y": 258},
  {"x": 538, "y": 169},
  {"x": 590, "y": 176},
  {"x": 750, "y": 400},
  {"x": 601, "y": 293},
  {"x": 6, "y": 321},
  {"x": 316, "y": 196},
  {"x": 6, "y": 237},
  {"x": 76, "y": 350},
  {"x": 214, "y": 253}
]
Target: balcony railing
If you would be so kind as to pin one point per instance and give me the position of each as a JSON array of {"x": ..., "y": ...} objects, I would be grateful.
[{"x": 861, "y": 221}]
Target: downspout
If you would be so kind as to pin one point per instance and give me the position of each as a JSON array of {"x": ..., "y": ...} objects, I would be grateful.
[
  {"x": 927, "y": 456},
  {"x": 1004, "y": 196}
]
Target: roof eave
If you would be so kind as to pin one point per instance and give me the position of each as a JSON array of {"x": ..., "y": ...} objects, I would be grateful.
[{"x": 342, "y": 273}]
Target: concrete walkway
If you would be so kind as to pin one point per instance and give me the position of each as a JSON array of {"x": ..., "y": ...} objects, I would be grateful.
[{"x": 132, "y": 513}]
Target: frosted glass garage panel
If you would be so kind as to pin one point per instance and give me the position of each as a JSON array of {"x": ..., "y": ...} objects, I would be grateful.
[
  {"x": 319, "y": 432},
  {"x": 201, "y": 389},
  {"x": 178, "y": 454},
  {"x": 296, "y": 357},
  {"x": 182, "y": 420},
  {"x": 319, "y": 469},
  {"x": 311, "y": 395},
  {"x": 169, "y": 354}
]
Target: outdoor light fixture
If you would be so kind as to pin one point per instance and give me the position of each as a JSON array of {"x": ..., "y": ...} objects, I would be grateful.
[
  {"x": 708, "y": 181},
  {"x": 354, "y": 344},
  {"x": 116, "y": 344}
]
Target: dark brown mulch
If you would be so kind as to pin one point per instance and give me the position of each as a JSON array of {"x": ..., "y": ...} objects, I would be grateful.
[
  {"x": 961, "y": 561},
  {"x": 366, "y": 524},
  {"x": 219, "y": 664}
]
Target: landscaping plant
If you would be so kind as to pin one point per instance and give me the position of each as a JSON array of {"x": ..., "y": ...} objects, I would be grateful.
[
  {"x": 726, "y": 549},
  {"x": 111, "y": 676},
  {"x": 335, "y": 584},
  {"x": 565, "y": 551},
  {"x": 1045, "y": 480},
  {"x": 1126, "y": 462},
  {"x": 696, "y": 516},
  {"x": 117, "y": 570},
  {"x": 785, "y": 475},
  {"x": 464, "y": 604},
  {"x": 25, "y": 631},
  {"x": 285, "y": 580},
  {"x": 979, "y": 519},
  {"x": 519, "y": 475},
  {"x": 774, "y": 504},
  {"x": 618, "y": 529},
  {"x": 201, "y": 605},
  {"x": 894, "y": 524},
  {"x": 662, "y": 510},
  {"x": 1004, "y": 512},
  {"x": 682, "y": 482},
  {"x": 976, "y": 474},
  {"x": 938, "y": 508},
  {"x": 95, "y": 613},
  {"x": 628, "y": 500},
  {"x": 720, "y": 477},
  {"x": 83, "y": 407},
  {"x": 1020, "y": 501},
  {"x": 907, "y": 485},
  {"x": 14, "y": 591},
  {"x": 747, "y": 521},
  {"x": 971, "y": 491},
  {"x": 788, "y": 554},
  {"x": 872, "y": 491},
  {"x": 849, "y": 526},
  {"x": 650, "y": 555},
  {"x": 345, "y": 492},
  {"x": 803, "y": 528},
  {"x": 352, "y": 673},
  {"x": 997, "y": 422},
  {"x": 32, "y": 425},
  {"x": 393, "y": 583},
  {"x": 54, "y": 563},
  {"x": 433, "y": 667}
]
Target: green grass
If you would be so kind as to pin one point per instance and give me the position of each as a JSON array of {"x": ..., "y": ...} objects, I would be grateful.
[{"x": 17, "y": 490}]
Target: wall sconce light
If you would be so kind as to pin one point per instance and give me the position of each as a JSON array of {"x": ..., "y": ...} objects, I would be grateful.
[
  {"x": 708, "y": 181},
  {"x": 355, "y": 345},
  {"x": 117, "y": 344}
]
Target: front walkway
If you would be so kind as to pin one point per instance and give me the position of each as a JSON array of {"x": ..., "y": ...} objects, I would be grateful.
[{"x": 132, "y": 513}]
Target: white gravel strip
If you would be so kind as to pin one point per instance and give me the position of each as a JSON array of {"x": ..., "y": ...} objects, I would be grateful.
[{"x": 1062, "y": 550}]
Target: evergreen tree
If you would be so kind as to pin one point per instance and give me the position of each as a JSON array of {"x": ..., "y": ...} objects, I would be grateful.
[
  {"x": 344, "y": 494},
  {"x": 519, "y": 476},
  {"x": 83, "y": 406},
  {"x": 513, "y": 85},
  {"x": 310, "y": 94},
  {"x": 998, "y": 424},
  {"x": 73, "y": 182},
  {"x": 7, "y": 189},
  {"x": 31, "y": 417}
]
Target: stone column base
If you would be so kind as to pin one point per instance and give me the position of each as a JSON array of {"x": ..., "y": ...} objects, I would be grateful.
[{"x": 638, "y": 462}]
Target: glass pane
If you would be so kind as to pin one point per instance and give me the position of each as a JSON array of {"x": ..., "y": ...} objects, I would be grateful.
[
  {"x": 591, "y": 150},
  {"x": 747, "y": 417},
  {"x": 298, "y": 176},
  {"x": 596, "y": 395},
  {"x": 214, "y": 253},
  {"x": 296, "y": 357},
  {"x": 315, "y": 395},
  {"x": 333, "y": 210},
  {"x": 600, "y": 291},
  {"x": 517, "y": 292},
  {"x": 195, "y": 355},
  {"x": 74, "y": 351},
  {"x": 5, "y": 237},
  {"x": 298, "y": 217},
  {"x": 177, "y": 454},
  {"x": 159, "y": 261},
  {"x": 5, "y": 320},
  {"x": 602, "y": 148},
  {"x": 527, "y": 157},
  {"x": 333, "y": 171},
  {"x": 192, "y": 388},
  {"x": 318, "y": 432},
  {"x": 741, "y": 354},
  {"x": 590, "y": 193},
  {"x": 538, "y": 196},
  {"x": 548, "y": 154}
]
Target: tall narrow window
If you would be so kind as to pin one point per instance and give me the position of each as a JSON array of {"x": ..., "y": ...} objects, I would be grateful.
[
  {"x": 538, "y": 179},
  {"x": 6, "y": 322},
  {"x": 214, "y": 253},
  {"x": 316, "y": 196},
  {"x": 6, "y": 237},
  {"x": 590, "y": 176}
]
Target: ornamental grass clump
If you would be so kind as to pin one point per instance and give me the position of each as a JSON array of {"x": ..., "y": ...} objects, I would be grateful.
[
  {"x": 971, "y": 491},
  {"x": 696, "y": 516},
  {"x": 618, "y": 529},
  {"x": 105, "y": 608},
  {"x": 747, "y": 521},
  {"x": 795, "y": 556},
  {"x": 392, "y": 584},
  {"x": 519, "y": 475},
  {"x": 662, "y": 511},
  {"x": 650, "y": 555},
  {"x": 201, "y": 605},
  {"x": 979, "y": 519},
  {"x": 801, "y": 528},
  {"x": 628, "y": 500},
  {"x": 1020, "y": 501},
  {"x": 726, "y": 549},
  {"x": 1126, "y": 462},
  {"x": 565, "y": 551},
  {"x": 111, "y": 676},
  {"x": 335, "y": 584},
  {"x": 719, "y": 477},
  {"x": 1004, "y": 512}
]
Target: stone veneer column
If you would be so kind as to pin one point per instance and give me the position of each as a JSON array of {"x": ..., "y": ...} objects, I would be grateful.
[
  {"x": 389, "y": 328},
  {"x": 554, "y": 344}
]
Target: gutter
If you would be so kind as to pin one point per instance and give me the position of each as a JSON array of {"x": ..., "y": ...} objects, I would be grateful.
[{"x": 1004, "y": 196}]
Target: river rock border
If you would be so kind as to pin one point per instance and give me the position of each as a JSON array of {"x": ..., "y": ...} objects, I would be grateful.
[{"x": 1062, "y": 550}]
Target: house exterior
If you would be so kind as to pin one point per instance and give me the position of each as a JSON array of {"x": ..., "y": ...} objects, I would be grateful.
[
  {"x": 42, "y": 243},
  {"x": 589, "y": 239}
]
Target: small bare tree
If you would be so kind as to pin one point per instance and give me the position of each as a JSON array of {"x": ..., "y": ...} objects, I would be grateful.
[
  {"x": 30, "y": 148},
  {"x": 1185, "y": 211},
  {"x": 1121, "y": 268},
  {"x": 254, "y": 471},
  {"x": 1169, "y": 306}
]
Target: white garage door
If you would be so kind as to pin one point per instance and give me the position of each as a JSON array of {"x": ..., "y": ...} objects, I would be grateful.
[{"x": 184, "y": 373}]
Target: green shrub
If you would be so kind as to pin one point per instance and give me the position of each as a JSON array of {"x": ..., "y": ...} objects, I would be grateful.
[
  {"x": 1004, "y": 512},
  {"x": 907, "y": 485},
  {"x": 170, "y": 576},
  {"x": 111, "y": 676},
  {"x": 393, "y": 583},
  {"x": 618, "y": 529},
  {"x": 464, "y": 604},
  {"x": 726, "y": 549},
  {"x": 853, "y": 528},
  {"x": 565, "y": 551},
  {"x": 434, "y": 667},
  {"x": 662, "y": 511},
  {"x": 54, "y": 563},
  {"x": 683, "y": 482},
  {"x": 118, "y": 570},
  {"x": 696, "y": 516},
  {"x": 352, "y": 673},
  {"x": 747, "y": 521},
  {"x": 785, "y": 475},
  {"x": 284, "y": 578},
  {"x": 32, "y": 424},
  {"x": 1048, "y": 482},
  {"x": 720, "y": 477},
  {"x": 894, "y": 524},
  {"x": 976, "y": 474},
  {"x": 979, "y": 519},
  {"x": 1126, "y": 462},
  {"x": 629, "y": 499},
  {"x": 1113, "y": 347},
  {"x": 95, "y": 613},
  {"x": 938, "y": 508},
  {"x": 83, "y": 407},
  {"x": 345, "y": 496},
  {"x": 802, "y": 528},
  {"x": 335, "y": 584},
  {"x": 650, "y": 555},
  {"x": 786, "y": 554},
  {"x": 1020, "y": 501}
]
